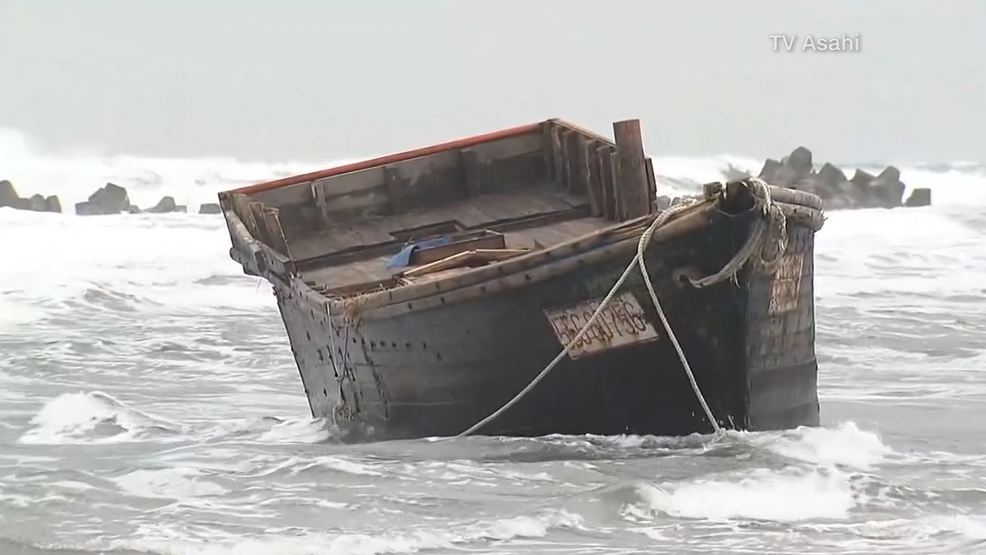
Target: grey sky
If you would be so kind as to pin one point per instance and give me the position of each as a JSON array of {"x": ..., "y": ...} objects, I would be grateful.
[{"x": 325, "y": 80}]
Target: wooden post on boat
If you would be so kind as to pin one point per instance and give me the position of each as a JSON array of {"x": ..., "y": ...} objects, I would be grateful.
[
  {"x": 632, "y": 186},
  {"x": 607, "y": 175}
]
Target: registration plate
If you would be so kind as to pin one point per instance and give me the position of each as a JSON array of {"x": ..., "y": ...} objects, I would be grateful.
[
  {"x": 786, "y": 287},
  {"x": 621, "y": 323}
]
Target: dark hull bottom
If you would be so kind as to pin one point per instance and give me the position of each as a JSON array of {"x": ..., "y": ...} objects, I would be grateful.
[{"x": 436, "y": 372}]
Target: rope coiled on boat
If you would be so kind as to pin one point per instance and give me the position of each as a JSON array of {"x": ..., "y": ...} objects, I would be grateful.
[{"x": 769, "y": 233}]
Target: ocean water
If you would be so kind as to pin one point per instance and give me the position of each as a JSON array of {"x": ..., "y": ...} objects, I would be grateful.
[{"x": 149, "y": 402}]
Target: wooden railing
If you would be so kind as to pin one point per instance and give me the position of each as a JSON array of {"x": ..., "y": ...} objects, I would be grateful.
[{"x": 616, "y": 177}]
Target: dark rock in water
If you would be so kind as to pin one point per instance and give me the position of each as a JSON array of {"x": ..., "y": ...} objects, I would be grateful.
[
  {"x": 213, "y": 208},
  {"x": 800, "y": 161},
  {"x": 886, "y": 190},
  {"x": 165, "y": 206},
  {"x": 859, "y": 190},
  {"x": 110, "y": 199},
  {"x": 919, "y": 197},
  {"x": 864, "y": 190},
  {"x": 889, "y": 174},
  {"x": 37, "y": 203},
  {"x": 86, "y": 209},
  {"x": 828, "y": 184},
  {"x": 770, "y": 167},
  {"x": 790, "y": 170},
  {"x": 53, "y": 204},
  {"x": 113, "y": 197},
  {"x": 831, "y": 175},
  {"x": 8, "y": 195},
  {"x": 887, "y": 195},
  {"x": 21, "y": 204},
  {"x": 862, "y": 178},
  {"x": 814, "y": 184}
]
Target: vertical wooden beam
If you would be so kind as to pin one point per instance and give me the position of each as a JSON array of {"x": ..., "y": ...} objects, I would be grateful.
[
  {"x": 278, "y": 241},
  {"x": 594, "y": 180},
  {"x": 241, "y": 207},
  {"x": 257, "y": 210},
  {"x": 566, "y": 166},
  {"x": 547, "y": 150},
  {"x": 579, "y": 165},
  {"x": 557, "y": 156},
  {"x": 631, "y": 170},
  {"x": 651, "y": 183},
  {"x": 604, "y": 155},
  {"x": 614, "y": 179},
  {"x": 321, "y": 204}
]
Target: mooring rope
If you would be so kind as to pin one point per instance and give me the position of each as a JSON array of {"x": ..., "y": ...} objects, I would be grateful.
[
  {"x": 763, "y": 203},
  {"x": 639, "y": 259}
]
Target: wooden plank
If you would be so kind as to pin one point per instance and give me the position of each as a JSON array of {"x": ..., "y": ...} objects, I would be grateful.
[
  {"x": 257, "y": 210},
  {"x": 547, "y": 152},
  {"x": 241, "y": 207},
  {"x": 593, "y": 182},
  {"x": 631, "y": 170},
  {"x": 578, "y": 165},
  {"x": 530, "y": 130},
  {"x": 471, "y": 241},
  {"x": 557, "y": 156},
  {"x": 607, "y": 171},
  {"x": 463, "y": 258},
  {"x": 601, "y": 160},
  {"x": 347, "y": 183},
  {"x": 321, "y": 205},
  {"x": 568, "y": 179},
  {"x": 472, "y": 171},
  {"x": 278, "y": 241}
]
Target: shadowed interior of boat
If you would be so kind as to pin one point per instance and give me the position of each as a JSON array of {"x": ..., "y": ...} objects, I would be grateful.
[{"x": 528, "y": 187}]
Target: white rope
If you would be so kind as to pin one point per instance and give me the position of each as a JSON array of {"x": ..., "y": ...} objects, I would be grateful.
[
  {"x": 641, "y": 245},
  {"x": 763, "y": 202},
  {"x": 554, "y": 362}
]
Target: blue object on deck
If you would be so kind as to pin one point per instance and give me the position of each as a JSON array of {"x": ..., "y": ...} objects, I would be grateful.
[{"x": 403, "y": 258}]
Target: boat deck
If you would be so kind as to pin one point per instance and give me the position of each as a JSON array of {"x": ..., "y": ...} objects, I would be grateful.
[
  {"x": 529, "y": 219},
  {"x": 530, "y": 187}
]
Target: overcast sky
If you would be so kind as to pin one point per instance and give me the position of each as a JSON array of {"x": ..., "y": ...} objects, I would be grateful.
[{"x": 319, "y": 80}]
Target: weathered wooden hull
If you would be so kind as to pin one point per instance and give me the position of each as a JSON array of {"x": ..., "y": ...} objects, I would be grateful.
[{"x": 436, "y": 368}]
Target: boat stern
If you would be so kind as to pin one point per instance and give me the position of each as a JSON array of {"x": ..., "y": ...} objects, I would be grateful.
[{"x": 780, "y": 338}]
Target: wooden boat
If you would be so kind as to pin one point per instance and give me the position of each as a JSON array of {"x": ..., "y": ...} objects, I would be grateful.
[{"x": 422, "y": 291}]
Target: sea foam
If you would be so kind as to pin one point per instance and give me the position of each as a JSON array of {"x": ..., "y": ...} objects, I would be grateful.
[
  {"x": 439, "y": 537},
  {"x": 762, "y": 494},
  {"x": 91, "y": 417}
]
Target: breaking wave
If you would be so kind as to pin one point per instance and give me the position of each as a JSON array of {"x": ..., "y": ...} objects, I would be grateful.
[
  {"x": 93, "y": 417},
  {"x": 786, "y": 495},
  {"x": 193, "y": 181},
  {"x": 74, "y": 176},
  {"x": 845, "y": 445},
  {"x": 168, "y": 483},
  {"x": 97, "y": 417},
  {"x": 406, "y": 541}
]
